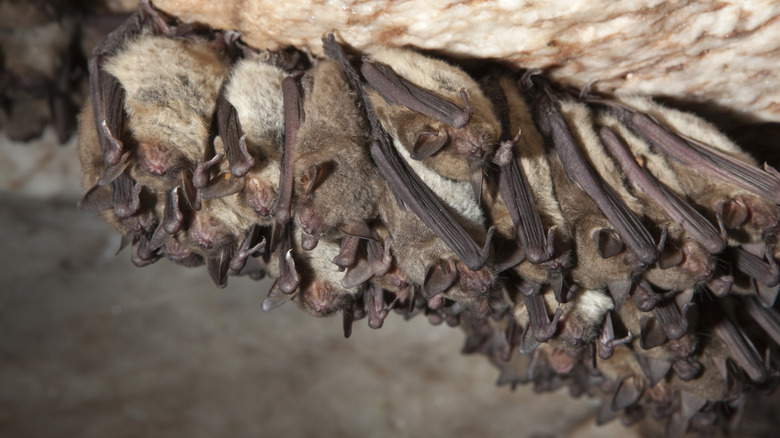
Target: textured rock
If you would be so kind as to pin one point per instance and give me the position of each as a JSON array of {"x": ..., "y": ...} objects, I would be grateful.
[{"x": 713, "y": 53}]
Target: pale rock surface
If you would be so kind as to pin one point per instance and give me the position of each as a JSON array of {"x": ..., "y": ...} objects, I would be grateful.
[{"x": 722, "y": 53}]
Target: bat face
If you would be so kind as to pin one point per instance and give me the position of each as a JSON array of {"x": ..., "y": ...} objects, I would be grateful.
[{"x": 171, "y": 88}]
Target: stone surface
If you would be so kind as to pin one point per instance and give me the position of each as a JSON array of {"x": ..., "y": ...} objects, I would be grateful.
[{"x": 722, "y": 54}]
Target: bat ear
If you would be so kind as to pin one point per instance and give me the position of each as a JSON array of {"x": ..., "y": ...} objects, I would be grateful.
[
  {"x": 627, "y": 392},
  {"x": 275, "y": 297},
  {"x": 315, "y": 174},
  {"x": 348, "y": 315},
  {"x": 428, "y": 143},
  {"x": 438, "y": 277},
  {"x": 218, "y": 267},
  {"x": 670, "y": 256},
  {"x": 98, "y": 198},
  {"x": 358, "y": 274},
  {"x": 607, "y": 243}
]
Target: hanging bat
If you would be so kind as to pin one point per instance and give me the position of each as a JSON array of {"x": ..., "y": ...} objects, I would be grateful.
[
  {"x": 713, "y": 172},
  {"x": 336, "y": 186},
  {"x": 250, "y": 124},
  {"x": 692, "y": 237},
  {"x": 415, "y": 195},
  {"x": 319, "y": 289},
  {"x": 171, "y": 89},
  {"x": 525, "y": 204},
  {"x": 124, "y": 204},
  {"x": 414, "y": 98},
  {"x": 40, "y": 66},
  {"x": 669, "y": 272}
]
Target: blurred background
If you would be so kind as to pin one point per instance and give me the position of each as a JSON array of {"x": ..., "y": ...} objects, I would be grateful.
[{"x": 91, "y": 346}]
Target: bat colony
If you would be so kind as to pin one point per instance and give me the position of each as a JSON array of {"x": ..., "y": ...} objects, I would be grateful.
[{"x": 625, "y": 249}]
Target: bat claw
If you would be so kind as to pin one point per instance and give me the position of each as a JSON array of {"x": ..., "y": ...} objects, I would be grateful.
[{"x": 200, "y": 178}]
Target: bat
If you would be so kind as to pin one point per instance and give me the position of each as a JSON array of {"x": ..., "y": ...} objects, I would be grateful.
[
  {"x": 553, "y": 124},
  {"x": 525, "y": 218},
  {"x": 336, "y": 186},
  {"x": 124, "y": 204},
  {"x": 734, "y": 186},
  {"x": 691, "y": 239},
  {"x": 414, "y": 98},
  {"x": 437, "y": 276},
  {"x": 250, "y": 124},
  {"x": 171, "y": 89}
]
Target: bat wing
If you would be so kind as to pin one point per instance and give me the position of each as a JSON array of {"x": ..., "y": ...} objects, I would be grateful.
[
  {"x": 579, "y": 169},
  {"x": 233, "y": 138},
  {"x": 689, "y": 218},
  {"x": 398, "y": 90}
]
